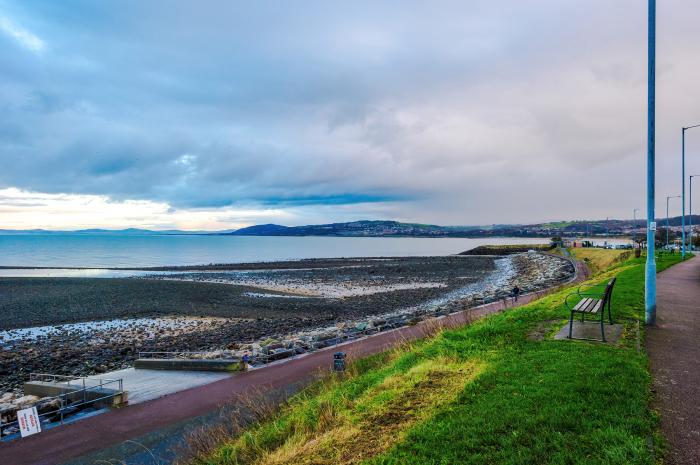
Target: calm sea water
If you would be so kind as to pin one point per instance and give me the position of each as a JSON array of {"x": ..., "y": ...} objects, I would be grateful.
[{"x": 104, "y": 251}]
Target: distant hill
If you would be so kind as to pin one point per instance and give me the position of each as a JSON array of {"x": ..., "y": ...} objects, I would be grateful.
[
  {"x": 264, "y": 230},
  {"x": 373, "y": 228},
  {"x": 365, "y": 228},
  {"x": 381, "y": 228}
]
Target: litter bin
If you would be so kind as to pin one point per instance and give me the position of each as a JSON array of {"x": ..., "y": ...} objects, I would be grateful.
[{"x": 339, "y": 361}]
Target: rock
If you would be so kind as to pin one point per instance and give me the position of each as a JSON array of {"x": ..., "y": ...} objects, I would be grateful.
[
  {"x": 5, "y": 408},
  {"x": 48, "y": 404},
  {"x": 25, "y": 402}
]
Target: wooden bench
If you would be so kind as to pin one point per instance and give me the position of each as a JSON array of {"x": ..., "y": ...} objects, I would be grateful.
[{"x": 591, "y": 303}]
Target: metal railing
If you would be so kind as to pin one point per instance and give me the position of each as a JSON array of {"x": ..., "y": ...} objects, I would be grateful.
[
  {"x": 262, "y": 356},
  {"x": 340, "y": 338},
  {"x": 70, "y": 401},
  {"x": 72, "y": 381}
]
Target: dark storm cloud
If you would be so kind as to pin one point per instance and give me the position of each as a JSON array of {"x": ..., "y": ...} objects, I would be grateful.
[{"x": 448, "y": 110}]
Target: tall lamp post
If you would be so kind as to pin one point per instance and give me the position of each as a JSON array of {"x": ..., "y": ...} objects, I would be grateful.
[
  {"x": 683, "y": 184},
  {"x": 691, "y": 209},
  {"x": 668, "y": 197},
  {"x": 650, "y": 269}
]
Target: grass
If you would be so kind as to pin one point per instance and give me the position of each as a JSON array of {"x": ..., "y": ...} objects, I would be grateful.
[
  {"x": 599, "y": 260},
  {"x": 486, "y": 393}
]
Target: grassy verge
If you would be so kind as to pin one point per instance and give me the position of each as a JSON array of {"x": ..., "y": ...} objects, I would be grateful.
[
  {"x": 498, "y": 391},
  {"x": 599, "y": 260}
]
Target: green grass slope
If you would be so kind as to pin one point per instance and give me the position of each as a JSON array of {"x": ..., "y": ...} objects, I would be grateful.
[{"x": 500, "y": 391}]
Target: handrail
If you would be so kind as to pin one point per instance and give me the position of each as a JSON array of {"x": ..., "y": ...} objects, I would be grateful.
[{"x": 64, "y": 398}]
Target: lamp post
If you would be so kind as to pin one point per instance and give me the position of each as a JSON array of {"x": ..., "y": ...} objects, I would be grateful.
[
  {"x": 650, "y": 269},
  {"x": 691, "y": 209},
  {"x": 683, "y": 184},
  {"x": 634, "y": 226},
  {"x": 668, "y": 197}
]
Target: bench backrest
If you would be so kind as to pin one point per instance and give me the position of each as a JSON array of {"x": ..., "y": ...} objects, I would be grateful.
[{"x": 608, "y": 291}]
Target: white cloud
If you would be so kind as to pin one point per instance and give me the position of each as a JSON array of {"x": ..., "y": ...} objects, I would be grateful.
[
  {"x": 23, "y": 37},
  {"x": 22, "y": 209}
]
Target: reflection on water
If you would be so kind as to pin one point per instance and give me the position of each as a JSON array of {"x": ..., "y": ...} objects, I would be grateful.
[{"x": 73, "y": 273}]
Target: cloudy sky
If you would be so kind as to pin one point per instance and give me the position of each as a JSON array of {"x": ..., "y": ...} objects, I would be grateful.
[{"x": 219, "y": 114}]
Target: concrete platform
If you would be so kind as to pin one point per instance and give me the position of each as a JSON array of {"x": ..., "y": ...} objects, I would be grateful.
[
  {"x": 74, "y": 392},
  {"x": 143, "y": 385},
  {"x": 590, "y": 330},
  {"x": 179, "y": 364}
]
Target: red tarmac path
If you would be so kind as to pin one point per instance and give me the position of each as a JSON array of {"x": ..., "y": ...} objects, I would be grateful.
[
  {"x": 74, "y": 440},
  {"x": 674, "y": 353}
]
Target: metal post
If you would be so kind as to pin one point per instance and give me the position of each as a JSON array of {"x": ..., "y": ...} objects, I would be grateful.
[
  {"x": 690, "y": 194},
  {"x": 650, "y": 271},
  {"x": 667, "y": 223},
  {"x": 691, "y": 210},
  {"x": 683, "y": 181},
  {"x": 683, "y": 195}
]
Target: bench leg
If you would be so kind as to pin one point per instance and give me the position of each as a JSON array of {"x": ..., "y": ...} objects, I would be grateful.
[
  {"x": 571, "y": 323},
  {"x": 609, "y": 311},
  {"x": 602, "y": 326}
]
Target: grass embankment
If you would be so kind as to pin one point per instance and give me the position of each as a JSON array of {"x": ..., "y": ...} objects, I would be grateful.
[
  {"x": 498, "y": 391},
  {"x": 599, "y": 260}
]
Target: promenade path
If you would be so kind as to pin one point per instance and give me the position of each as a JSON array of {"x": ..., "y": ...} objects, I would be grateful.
[
  {"x": 73, "y": 442},
  {"x": 674, "y": 352}
]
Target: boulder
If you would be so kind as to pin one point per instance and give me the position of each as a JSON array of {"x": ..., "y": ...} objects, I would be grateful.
[
  {"x": 25, "y": 402},
  {"x": 48, "y": 404}
]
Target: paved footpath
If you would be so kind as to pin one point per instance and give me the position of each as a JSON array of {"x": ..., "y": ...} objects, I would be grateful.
[
  {"x": 69, "y": 442},
  {"x": 674, "y": 352}
]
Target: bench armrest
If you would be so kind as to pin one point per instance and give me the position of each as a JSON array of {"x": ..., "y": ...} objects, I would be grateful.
[
  {"x": 569, "y": 305},
  {"x": 579, "y": 297},
  {"x": 581, "y": 291}
]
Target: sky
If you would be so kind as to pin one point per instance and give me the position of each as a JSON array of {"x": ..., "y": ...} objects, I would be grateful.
[{"x": 221, "y": 114}]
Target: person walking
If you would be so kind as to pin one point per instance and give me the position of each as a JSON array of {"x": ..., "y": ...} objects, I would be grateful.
[{"x": 515, "y": 293}]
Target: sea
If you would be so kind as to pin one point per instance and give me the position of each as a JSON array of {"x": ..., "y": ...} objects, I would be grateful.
[{"x": 99, "y": 251}]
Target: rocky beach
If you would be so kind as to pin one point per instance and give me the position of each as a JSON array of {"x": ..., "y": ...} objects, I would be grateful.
[{"x": 84, "y": 326}]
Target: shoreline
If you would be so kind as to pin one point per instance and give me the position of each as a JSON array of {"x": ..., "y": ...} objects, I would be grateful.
[{"x": 271, "y": 325}]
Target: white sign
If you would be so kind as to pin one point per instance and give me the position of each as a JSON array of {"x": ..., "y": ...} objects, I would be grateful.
[
  {"x": 28, "y": 420},
  {"x": 652, "y": 226}
]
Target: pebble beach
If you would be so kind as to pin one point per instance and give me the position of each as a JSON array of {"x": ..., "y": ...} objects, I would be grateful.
[{"x": 84, "y": 326}]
